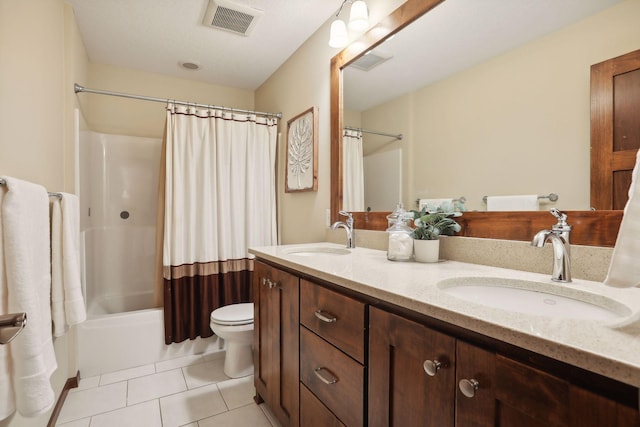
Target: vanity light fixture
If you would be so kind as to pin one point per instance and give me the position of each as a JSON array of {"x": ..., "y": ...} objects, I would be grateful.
[{"x": 358, "y": 22}]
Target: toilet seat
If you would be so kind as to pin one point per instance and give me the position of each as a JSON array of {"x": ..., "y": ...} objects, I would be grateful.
[{"x": 233, "y": 314}]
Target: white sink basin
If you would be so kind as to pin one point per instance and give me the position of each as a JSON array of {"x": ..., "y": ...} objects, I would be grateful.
[
  {"x": 537, "y": 298},
  {"x": 317, "y": 250}
]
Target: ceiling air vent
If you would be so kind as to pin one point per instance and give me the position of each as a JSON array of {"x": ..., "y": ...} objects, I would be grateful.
[
  {"x": 369, "y": 60},
  {"x": 233, "y": 17}
]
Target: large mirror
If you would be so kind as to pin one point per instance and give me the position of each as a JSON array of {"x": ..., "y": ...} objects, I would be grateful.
[{"x": 491, "y": 98}]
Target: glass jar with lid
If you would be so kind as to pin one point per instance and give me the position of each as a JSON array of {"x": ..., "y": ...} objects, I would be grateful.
[{"x": 400, "y": 246}]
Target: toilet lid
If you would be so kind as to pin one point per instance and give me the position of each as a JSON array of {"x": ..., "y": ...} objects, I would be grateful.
[{"x": 233, "y": 314}]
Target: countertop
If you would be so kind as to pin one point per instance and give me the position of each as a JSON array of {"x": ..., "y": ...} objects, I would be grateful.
[{"x": 610, "y": 348}]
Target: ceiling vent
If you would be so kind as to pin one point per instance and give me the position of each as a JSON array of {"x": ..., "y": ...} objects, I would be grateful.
[
  {"x": 233, "y": 17},
  {"x": 370, "y": 60}
]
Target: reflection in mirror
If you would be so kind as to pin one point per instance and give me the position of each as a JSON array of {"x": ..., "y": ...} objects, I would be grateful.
[{"x": 492, "y": 98}]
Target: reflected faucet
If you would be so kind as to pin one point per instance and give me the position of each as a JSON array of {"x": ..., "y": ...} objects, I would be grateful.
[
  {"x": 559, "y": 237},
  {"x": 348, "y": 226}
]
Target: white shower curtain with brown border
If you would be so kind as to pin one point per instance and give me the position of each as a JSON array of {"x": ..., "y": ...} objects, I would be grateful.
[
  {"x": 219, "y": 199},
  {"x": 353, "y": 171}
]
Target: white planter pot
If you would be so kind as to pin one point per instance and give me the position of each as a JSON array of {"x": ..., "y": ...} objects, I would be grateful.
[{"x": 426, "y": 250}]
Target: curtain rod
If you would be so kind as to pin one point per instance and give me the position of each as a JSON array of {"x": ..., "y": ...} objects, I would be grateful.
[
  {"x": 375, "y": 132},
  {"x": 58, "y": 195},
  {"x": 77, "y": 88}
]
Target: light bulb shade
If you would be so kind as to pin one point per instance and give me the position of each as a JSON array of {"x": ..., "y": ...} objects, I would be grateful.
[
  {"x": 338, "y": 36},
  {"x": 359, "y": 17}
]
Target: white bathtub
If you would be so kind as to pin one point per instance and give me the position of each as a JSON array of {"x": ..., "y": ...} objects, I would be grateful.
[{"x": 125, "y": 340}]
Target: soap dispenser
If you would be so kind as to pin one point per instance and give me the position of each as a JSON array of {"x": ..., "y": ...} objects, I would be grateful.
[{"x": 400, "y": 241}]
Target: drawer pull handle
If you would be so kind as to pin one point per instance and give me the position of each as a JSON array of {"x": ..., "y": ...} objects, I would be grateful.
[
  {"x": 325, "y": 376},
  {"x": 325, "y": 317},
  {"x": 431, "y": 367},
  {"x": 469, "y": 387}
]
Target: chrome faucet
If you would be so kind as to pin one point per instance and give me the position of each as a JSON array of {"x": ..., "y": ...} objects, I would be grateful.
[
  {"x": 348, "y": 226},
  {"x": 559, "y": 237}
]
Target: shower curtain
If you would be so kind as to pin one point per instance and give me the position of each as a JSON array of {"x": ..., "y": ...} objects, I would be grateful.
[
  {"x": 353, "y": 171},
  {"x": 217, "y": 198}
]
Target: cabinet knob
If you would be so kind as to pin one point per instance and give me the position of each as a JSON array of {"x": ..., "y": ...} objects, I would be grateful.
[
  {"x": 325, "y": 375},
  {"x": 431, "y": 367},
  {"x": 469, "y": 387},
  {"x": 325, "y": 317},
  {"x": 270, "y": 283}
]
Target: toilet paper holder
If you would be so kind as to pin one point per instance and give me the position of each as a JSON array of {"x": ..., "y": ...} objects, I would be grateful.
[{"x": 11, "y": 325}]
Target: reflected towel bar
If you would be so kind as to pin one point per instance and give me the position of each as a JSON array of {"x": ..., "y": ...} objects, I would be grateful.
[{"x": 553, "y": 197}]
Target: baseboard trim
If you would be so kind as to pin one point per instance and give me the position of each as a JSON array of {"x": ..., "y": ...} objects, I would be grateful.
[{"x": 71, "y": 383}]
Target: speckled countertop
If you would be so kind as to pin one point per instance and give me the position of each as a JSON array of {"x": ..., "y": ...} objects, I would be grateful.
[{"x": 610, "y": 347}]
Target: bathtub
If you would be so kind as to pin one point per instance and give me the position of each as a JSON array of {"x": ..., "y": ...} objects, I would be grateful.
[
  {"x": 119, "y": 341},
  {"x": 118, "y": 200}
]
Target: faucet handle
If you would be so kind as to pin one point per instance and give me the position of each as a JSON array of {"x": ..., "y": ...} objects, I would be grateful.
[
  {"x": 562, "y": 224},
  {"x": 349, "y": 217},
  {"x": 560, "y": 215}
]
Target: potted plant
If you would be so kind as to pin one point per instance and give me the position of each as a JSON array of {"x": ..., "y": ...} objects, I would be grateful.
[{"x": 429, "y": 227}]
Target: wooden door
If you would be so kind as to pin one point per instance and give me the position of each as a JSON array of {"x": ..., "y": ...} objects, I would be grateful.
[
  {"x": 401, "y": 393},
  {"x": 615, "y": 129},
  {"x": 276, "y": 341}
]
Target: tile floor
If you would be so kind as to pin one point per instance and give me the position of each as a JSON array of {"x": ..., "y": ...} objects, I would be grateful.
[{"x": 190, "y": 391}]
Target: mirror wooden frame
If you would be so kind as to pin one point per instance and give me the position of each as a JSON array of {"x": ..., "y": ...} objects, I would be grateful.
[{"x": 593, "y": 228}]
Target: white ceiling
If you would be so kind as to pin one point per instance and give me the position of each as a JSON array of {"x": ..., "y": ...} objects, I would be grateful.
[
  {"x": 454, "y": 36},
  {"x": 157, "y": 35}
]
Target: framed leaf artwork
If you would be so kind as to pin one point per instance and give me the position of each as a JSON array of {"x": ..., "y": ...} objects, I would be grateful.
[{"x": 302, "y": 152}]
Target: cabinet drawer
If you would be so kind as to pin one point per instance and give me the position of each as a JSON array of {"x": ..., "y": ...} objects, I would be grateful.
[
  {"x": 335, "y": 317},
  {"x": 335, "y": 378},
  {"x": 313, "y": 413}
]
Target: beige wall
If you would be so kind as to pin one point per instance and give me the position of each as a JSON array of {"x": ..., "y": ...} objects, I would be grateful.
[
  {"x": 517, "y": 124},
  {"x": 301, "y": 82},
  {"x": 39, "y": 52},
  {"x": 125, "y": 116}
]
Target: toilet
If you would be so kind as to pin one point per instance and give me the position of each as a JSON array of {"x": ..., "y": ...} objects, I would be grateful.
[{"x": 234, "y": 324}]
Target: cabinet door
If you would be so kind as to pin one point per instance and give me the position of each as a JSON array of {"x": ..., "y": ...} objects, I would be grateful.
[
  {"x": 591, "y": 410},
  {"x": 503, "y": 392},
  {"x": 401, "y": 392},
  {"x": 276, "y": 341}
]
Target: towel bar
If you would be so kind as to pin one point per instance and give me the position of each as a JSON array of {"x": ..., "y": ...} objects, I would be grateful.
[
  {"x": 11, "y": 325},
  {"x": 58, "y": 195}
]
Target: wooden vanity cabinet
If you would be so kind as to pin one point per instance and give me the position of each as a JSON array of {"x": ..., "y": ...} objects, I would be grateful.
[
  {"x": 276, "y": 341},
  {"x": 418, "y": 376},
  {"x": 332, "y": 356},
  {"x": 314, "y": 367}
]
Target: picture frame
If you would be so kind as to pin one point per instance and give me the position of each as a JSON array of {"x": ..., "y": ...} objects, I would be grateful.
[{"x": 302, "y": 152}]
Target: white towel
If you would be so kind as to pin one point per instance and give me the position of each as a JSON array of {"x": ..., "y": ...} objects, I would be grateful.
[
  {"x": 7, "y": 401},
  {"x": 624, "y": 270},
  {"x": 67, "y": 303},
  {"x": 25, "y": 222},
  {"x": 526, "y": 202}
]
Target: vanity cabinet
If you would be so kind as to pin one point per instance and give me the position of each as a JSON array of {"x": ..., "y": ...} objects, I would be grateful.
[
  {"x": 418, "y": 376},
  {"x": 276, "y": 341},
  {"x": 332, "y": 357}
]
